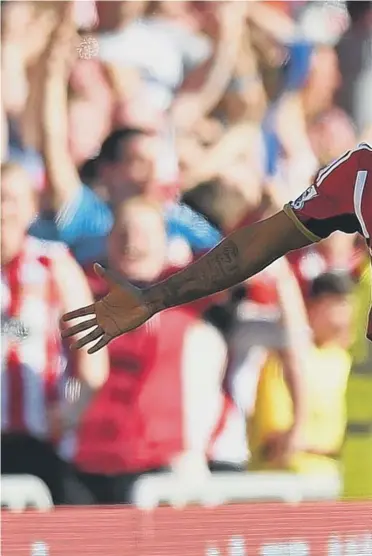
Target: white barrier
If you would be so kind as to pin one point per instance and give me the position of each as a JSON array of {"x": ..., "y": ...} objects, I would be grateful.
[
  {"x": 19, "y": 492},
  {"x": 220, "y": 488}
]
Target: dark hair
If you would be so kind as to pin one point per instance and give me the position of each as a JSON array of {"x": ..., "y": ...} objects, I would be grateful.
[
  {"x": 88, "y": 171},
  {"x": 118, "y": 140},
  {"x": 331, "y": 283},
  {"x": 358, "y": 10},
  {"x": 202, "y": 199}
]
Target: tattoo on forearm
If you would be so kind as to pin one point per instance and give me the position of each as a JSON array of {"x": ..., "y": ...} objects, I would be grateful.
[{"x": 216, "y": 271}]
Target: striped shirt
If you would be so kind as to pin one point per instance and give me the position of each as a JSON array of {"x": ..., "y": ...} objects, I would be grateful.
[{"x": 32, "y": 359}]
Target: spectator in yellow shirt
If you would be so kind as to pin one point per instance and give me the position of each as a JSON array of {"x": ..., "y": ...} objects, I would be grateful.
[
  {"x": 326, "y": 366},
  {"x": 362, "y": 298}
]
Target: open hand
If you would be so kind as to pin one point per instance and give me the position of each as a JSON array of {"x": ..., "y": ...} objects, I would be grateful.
[{"x": 122, "y": 310}]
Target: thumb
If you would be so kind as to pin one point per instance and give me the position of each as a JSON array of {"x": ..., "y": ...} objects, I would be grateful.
[{"x": 104, "y": 274}]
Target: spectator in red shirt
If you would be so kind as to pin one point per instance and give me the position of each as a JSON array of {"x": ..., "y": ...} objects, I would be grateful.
[
  {"x": 154, "y": 413},
  {"x": 39, "y": 281}
]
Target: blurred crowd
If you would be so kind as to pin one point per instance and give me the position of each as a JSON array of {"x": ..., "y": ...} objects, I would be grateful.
[{"x": 138, "y": 134}]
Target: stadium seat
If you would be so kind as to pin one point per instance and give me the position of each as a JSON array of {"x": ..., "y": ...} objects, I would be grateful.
[
  {"x": 222, "y": 488},
  {"x": 19, "y": 492}
]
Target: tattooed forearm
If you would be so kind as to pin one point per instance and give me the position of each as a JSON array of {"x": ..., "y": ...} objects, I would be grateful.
[
  {"x": 240, "y": 256},
  {"x": 214, "y": 272},
  {"x": 219, "y": 269},
  {"x": 211, "y": 274}
]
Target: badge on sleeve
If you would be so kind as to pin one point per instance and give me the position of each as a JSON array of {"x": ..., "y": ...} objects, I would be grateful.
[{"x": 310, "y": 193}]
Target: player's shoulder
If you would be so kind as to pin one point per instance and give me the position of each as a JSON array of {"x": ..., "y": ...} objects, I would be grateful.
[
  {"x": 364, "y": 147},
  {"x": 346, "y": 164},
  {"x": 364, "y": 153},
  {"x": 334, "y": 185},
  {"x": 361, "y": 156}
]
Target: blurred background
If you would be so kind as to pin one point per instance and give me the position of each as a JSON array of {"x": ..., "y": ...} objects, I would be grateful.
[{"x": 138, "y": 134}]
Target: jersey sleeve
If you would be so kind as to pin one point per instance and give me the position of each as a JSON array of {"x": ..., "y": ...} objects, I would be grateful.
[{"x": 328, "y": 204}]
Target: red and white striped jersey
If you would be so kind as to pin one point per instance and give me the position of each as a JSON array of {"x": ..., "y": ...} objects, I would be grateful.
[
  {"x": 31, "y": 356},
  {"x": 339, "y": 199}
]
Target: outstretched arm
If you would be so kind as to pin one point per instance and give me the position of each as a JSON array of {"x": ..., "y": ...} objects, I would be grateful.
[
  {"x": 241, "y": 255},
  {"x": 317, "y": 213}
]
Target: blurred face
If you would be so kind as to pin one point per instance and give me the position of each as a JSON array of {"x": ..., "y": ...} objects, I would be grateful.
[
  {"x": 135, "y": 170},
  {"x": 331, "y": 136},
  {"x": 331, "y": 319},
  {"x": 17, "y": 210},
  {"x": 137, "y": 244}
]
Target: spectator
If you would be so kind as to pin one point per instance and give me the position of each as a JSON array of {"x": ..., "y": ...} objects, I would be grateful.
[
  {"x": 326, "y": 367},
  {"x": 327, "y": 132},
  {"x": 223, "y": 205},
  {"x": 154, "y": 409},
  {"x": 354, "y": 54},
  {"x": 361, "y": 351},
  {"x": 181, "y": 69},
  {"x": 249, "y": 318},
  {"x": 268, "y": 319},
  {"x": 214, "y": 110},
  {"x": 128, "y": 165},
  {"x": 25, "y": 32},
  {"x": 70, "y": 212},
  {"x": 40, "y": 281},
  {"x": 330, "y": 129},
  {"x": 238, "y": 157},
  {"x": 163, "y": 51}
]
